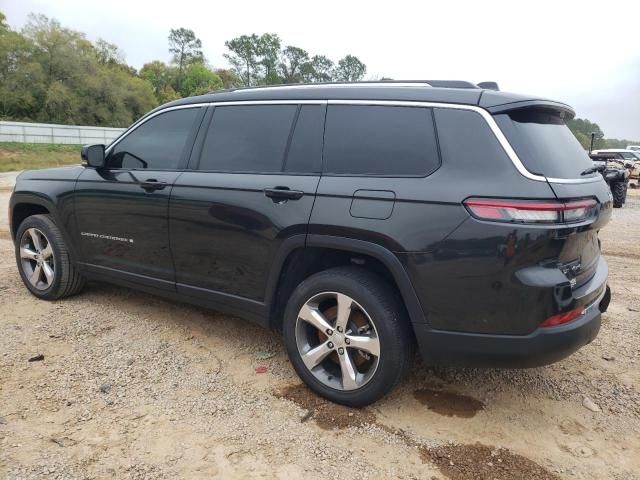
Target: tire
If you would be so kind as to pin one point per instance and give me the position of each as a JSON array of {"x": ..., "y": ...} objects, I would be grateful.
[
  {"x": 377, "y": 314},
  {"x": 618, "y": 192},
  {"x": 58, "y": 277}
]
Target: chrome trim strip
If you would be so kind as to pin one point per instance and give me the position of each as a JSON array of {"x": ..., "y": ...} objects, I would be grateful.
[
  {"x": 207, "y": 104},
  {"x": 595, "y": 178},
  {"x": 485, "y": 114},
  {"x": 269, "y": 102},
  {"x": 481, "y": 111},
  {"x": 145, "y": 119}
]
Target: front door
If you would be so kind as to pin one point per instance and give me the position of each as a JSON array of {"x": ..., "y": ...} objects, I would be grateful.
[{"x": 121, "y": 210}]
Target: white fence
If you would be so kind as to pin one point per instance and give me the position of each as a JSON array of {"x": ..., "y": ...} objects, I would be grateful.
[{"x": 49, "y": 133}]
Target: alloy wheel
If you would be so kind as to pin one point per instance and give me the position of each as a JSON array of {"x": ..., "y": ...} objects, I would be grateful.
[
  {"x": 36, "y": 258},
  {"x": 337, "y": 341}
]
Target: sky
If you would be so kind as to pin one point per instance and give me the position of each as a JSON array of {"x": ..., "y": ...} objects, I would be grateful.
[{"x": 584, "y": 53}]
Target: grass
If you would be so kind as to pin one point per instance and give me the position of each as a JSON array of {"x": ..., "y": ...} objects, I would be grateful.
[{"x": 31, "y": 156}]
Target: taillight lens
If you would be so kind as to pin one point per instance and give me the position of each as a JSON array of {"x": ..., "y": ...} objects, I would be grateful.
[
  {"x": 530, "y": 211},
  {"x": 561, "y": 318}
]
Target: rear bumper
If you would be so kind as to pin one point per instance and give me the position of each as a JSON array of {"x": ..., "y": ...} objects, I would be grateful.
[{"x": 541, "y": 347}]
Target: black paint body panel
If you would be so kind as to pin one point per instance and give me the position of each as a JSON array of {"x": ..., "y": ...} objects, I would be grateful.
[
  {"x": 122, "y": 226},
  {"x": 475, "y": 291},
  {"x": 225, "y": 232}
]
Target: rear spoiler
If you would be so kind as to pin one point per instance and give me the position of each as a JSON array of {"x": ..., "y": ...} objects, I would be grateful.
[{"x": 565, "y": 110}]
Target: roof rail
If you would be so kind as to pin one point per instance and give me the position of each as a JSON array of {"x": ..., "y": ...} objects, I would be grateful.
[{"x": 367, "y": 83}]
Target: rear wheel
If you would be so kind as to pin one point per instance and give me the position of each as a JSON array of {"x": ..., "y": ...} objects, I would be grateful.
[
  {"x": 618, "y": 192},
  {"x": 43, "y": 259},
  {"x": 347, "y": 335}
]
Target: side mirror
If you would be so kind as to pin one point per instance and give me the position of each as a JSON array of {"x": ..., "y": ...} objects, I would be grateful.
[{"x": 93, "y": 155}]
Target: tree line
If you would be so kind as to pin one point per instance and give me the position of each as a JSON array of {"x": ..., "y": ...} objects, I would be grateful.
[
  {"x": 583, "y": 128},
  {"x": 53, "y": 74}
]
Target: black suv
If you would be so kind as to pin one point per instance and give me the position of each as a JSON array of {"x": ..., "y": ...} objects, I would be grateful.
[{"x": 359, "y": 219}]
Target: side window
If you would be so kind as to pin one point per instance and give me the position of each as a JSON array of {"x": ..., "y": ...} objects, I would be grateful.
[
  {"x": 305, "y": 150},
  {"x": 250, "y": 138},
  {"x": 380, "y": 140},
  {"x": 468, "y": 143},
  {"x": 157, "y": 144}
]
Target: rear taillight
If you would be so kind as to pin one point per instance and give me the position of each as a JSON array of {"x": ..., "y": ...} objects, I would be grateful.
[
  {"x": 530, "y": 211},
  {"x": 561, "y": 318}
]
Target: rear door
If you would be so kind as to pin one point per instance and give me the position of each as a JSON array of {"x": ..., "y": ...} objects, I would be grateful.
[
  {"x": 251, "y": 185},
  {"x": 374, "y": 185},
  {"x": 121, "y": 210}
]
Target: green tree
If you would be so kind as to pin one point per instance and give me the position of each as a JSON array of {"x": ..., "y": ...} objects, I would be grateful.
[
  {"x": 3, "y": 24},
  {"x": 199, "y": 79},
  {"x": 243, "y": 57},
  {"x": 50, "y": 73},
  {"x": 619, "y": 143},
  {"x": 186, "y": 49},
  {"x": 293, "y": 61},
  {"x": 162, "y": 77},
  {"x": 582, "y": 129},
  {"x": 57, "y": 49},
  {"x": 22, "y": 79},
  {"x": 259, "y": 60},
  {"x": 319, "y": 69},
  {"x": 267, "y": 52},
  {"x": 228, "y": 77},
  {"x": 350, "y": 69},
  {"x": 108, "y": 53},
  {"x": 60, "y": 104}
]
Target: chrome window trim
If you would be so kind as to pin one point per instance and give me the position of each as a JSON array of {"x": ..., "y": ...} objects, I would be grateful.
[
  {"x": 143, "y": 120},
  {"x": 208, "y": 104},
  {"x": 513, "y": 156}
]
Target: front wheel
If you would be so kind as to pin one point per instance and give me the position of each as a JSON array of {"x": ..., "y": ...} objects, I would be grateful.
[
  {"x": 43, "y": 259},
  {"x": 347, "y": 335}
]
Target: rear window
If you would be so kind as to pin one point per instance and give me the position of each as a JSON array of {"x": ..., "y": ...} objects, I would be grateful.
[
  {"x": 376, "y": 140},
  {"x": 544, "y": 143}
]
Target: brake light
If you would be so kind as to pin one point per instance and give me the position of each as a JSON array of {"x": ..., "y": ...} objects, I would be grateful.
[
  {"x": 530, "y": 211},
  {"x": 561, "y": 318}
]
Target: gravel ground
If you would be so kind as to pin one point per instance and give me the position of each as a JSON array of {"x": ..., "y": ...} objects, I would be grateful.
[{"x": 133, "y": 386}]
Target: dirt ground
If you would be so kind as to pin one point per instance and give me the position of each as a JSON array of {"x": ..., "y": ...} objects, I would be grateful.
[{"x": 133, "y": 386}]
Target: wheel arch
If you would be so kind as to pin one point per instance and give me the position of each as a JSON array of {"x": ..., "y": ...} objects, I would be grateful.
[
  {"x": 299, "y": 258},
  {"x": 24, "y": 205}
]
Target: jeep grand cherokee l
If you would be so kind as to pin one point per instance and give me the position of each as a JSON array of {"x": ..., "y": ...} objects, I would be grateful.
[{"x": 358, "y": 219}]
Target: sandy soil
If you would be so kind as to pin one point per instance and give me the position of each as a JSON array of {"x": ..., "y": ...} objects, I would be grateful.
[{"x": 133, "y": 386}]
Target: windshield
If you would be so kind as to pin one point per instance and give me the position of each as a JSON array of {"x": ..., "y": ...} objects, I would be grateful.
[{"x": 544, "y": 143}]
